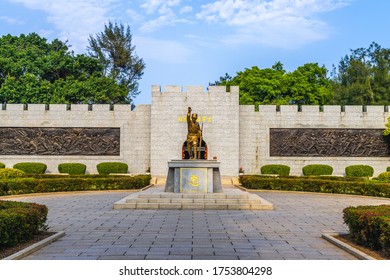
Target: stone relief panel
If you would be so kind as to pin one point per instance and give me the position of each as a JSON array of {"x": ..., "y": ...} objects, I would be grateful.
[
  {"x": 59, "y": 141},
  {"x": 318, "y": 142}
]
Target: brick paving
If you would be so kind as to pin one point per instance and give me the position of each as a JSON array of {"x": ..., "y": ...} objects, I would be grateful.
[{"x": 94, "y": 230}]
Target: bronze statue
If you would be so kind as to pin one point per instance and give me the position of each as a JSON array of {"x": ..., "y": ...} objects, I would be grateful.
[{"x": 194, "y": 134}]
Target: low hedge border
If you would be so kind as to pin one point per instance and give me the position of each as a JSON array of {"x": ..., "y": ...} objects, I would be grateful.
[
  {"x": 313, "y": 184},
  {"x": 317, "y": 170},
  {"x": 359, "y": 170},
  {"x": 275, "y": 169},
  {"x": 370, "y": 226},
  {"x": 31, "y": 167},
  {"x": 72, "y": 183},
  {"x": 112, "y": 167},
  {"x": 20, "y": 222},
  {"x": 72, "y": 168}
]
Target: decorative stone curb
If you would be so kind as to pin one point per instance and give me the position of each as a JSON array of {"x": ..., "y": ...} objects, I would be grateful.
[
  {"x": 355, "y": 252},
  {"x": 35, "y": 247}
]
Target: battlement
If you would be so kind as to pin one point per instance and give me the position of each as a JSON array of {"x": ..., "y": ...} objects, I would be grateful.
[
  {"x": 194, "y": 89},
  {"x": 313, "y": 109},
  {"x": 71, "y": 107}
]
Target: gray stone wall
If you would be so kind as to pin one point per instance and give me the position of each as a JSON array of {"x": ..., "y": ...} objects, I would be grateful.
[
  {"x": 217, "y": 109},
  {"x": 255, "y": 129},
  {"x": 237, "y": 135},
  {"x": 134, "y": 129}
]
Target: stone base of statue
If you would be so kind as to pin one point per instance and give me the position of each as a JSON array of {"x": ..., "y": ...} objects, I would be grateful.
[{"x": 193, "y": 176}]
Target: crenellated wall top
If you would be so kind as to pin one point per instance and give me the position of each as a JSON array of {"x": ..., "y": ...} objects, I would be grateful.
[{"x": 72, "y": 107}]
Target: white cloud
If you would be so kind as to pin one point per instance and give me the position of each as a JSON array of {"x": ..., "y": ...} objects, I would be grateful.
[
  {"x": 152, "y": 6},
  {"x": 186, "y": 9},
  {"x": 281, "y": 23},
  {"x": 166, "y": 51},
  {"x": 75, "y": 20},
  {"x": 134, "y": 16},
  {"x": 11, "y": 20},
  {"x": 166, "y": 12}
]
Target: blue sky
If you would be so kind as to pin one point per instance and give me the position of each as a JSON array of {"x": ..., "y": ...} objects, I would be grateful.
[{"x": 192, "y": 42}]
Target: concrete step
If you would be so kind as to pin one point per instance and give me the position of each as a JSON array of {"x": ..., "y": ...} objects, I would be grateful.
[{"x": 156, "y": 198}]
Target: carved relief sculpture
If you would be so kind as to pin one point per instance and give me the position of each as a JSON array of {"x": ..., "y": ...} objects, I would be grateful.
[
  {"x": 315, "y": 142},
  {"x": 59, "y": 141}
]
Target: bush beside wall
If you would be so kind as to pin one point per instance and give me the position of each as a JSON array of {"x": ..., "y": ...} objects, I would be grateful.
[
  {"x": 317, "y": 170},
  {"x": 20, "y": 221},
  {"x": 72, "y": 168},
  {"x": 370, "y": 226},
  {"x": 11, "y": 173},
  {"x": 275, "y": 169},
  {"x": 359, "y": 171},
  {"x": 31, "y": 167},
  {"x": 2, "y": 165},
  {"x": 383, "y": 177},
  {"x": 112, "y": 167}
]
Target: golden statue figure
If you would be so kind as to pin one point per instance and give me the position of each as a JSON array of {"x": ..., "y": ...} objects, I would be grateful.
[{"x": 194, "y": 134}]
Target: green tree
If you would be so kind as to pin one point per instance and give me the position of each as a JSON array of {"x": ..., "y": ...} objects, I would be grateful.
[
  {"x": 363, "y": 77},
  {"x": 114, "y": 48},
  {"x": 33, "y": 70},
  {"x": 306, "y": 85}
]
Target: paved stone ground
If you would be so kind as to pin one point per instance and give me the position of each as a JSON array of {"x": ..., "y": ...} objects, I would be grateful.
[{"x": 292, "y": 231}]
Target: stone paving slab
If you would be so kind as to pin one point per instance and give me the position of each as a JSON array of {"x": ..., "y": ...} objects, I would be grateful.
[{"x": 93, "y": 230}]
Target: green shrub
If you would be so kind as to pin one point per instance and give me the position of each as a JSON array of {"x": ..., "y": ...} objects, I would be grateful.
[
  {"x": 369, "y": 226},
  {"x": 112, "y": 167},
  {"x": 11, "y": 173},
  {"x": 388, "y": 169},
  {"x": 317, "y": 170},
  {"x": 20, "y": 221},
  {"x": 72, "y": 183},
  {"x": 31, "y": 167},
  {"x": 384, "y": 177},
  {"x": 276, "y": 169},
  {"x": 72, "y": 168},
  {"x": 2, "y": 165},
  {"x": 359, "y": 171},
  {"x": 318, "y": 184}
]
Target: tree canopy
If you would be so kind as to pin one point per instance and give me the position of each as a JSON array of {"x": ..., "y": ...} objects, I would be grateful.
[
  {"x": 363, "y": 77},
  {"x": 33, "y": 70},
  {"x": 114, "y": 49},
  {"x": 308, "y": 84}
]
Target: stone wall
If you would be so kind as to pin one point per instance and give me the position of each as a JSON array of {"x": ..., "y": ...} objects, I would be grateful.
[
  {"x": 238, "y": 135},
  {"x": 217, "y": 109},
  {"x": 255, "y": 134},
  {"x": 134, "y": 131}
]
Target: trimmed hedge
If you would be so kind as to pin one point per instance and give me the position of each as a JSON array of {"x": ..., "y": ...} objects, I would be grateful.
[
  {"x": 112, "y": 167},
  {"x": 20, "y": 221},
  {"x": 317, "y": 184},
  {"x": 317, "y": 170},
  {"x": 370, "y": 226},
  {"x": 80, "y": 183},
  {"x": 275, "y": 169},
  {"x": 383, "y": 177},
  {"x": 72, "y": 168},
  {"x": 359, "y": 171},
  {"x": 2, "y": 165},
  {"x": 11, "y": 173},
  {"x": 31, "y": 167}
]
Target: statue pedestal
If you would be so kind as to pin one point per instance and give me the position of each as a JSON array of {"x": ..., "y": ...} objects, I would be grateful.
[{"x": 193, "y": 176}]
